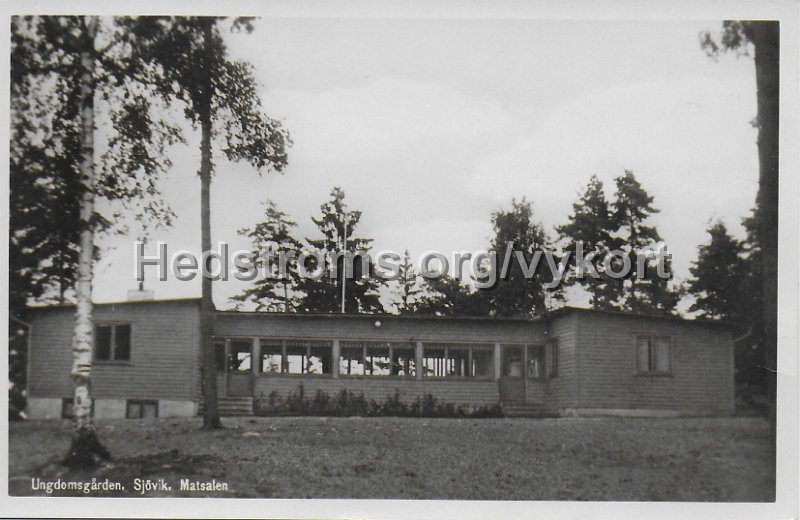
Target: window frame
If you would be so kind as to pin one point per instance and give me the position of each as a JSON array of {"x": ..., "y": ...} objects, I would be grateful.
[
  {"x": 446, "y": 347},
  {"x": 112, "y": 360},
  {"x": 652, "y": 355},
  {"x": 284, "y": 345},
  {"x": 366, "y": 345},
  {"x": 552, "y": 354},
  {"x": 141, "y": 403},
  {"x": 68, "y": 403}
]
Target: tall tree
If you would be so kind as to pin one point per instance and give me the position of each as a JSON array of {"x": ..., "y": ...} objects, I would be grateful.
[
  {"x": 521, "y": 293},
  {"x": 221, "y": 99},
  {"x": 725, "y": 280},
  {"x": 337, "y": 225},
  {"x": 92, "y": 66},
  {"x": 275, "y": 288},
  {"x": 718, "y": 275},
  {"x": 764, "y": 37},
  {"x": 589, "y": 228},
  {"x": 408, "y": 290},
  {"x": 645, "y": 291}
]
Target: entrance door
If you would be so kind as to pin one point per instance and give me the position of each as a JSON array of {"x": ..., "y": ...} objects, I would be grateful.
[
  {"x": 240, "y": 369},
  {"x": 512, "y": 384},
  {"x": 235, "y": 368}
]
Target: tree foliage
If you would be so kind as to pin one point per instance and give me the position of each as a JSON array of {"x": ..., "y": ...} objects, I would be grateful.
[
  {"x": 71, "y": 75},
  {"x": 220, "y": 98},
  {"x": 448, "y": 296},
  {"x": 409, "y": 290},
  {"x": 645, "y": 291},
  {"x": 726, "y": 285},
  {"x": 521, "y": 292},
  {"x": 337, "y": 225},
  {"x": 719, "y": 276},
  {"x": 45, "y": 182},
  {"x": 589, "y": 227},
  {"x": 763, "y": 39},
  {"x": 275, "y": 288}
]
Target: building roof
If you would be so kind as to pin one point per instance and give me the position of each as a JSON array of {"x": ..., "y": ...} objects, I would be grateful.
[{"x": 562, "y": 311}]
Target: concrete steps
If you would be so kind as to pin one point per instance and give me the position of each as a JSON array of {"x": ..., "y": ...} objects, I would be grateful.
[
  {"x": 230, "y": 406},
  {"x": 529, "y": 410}
]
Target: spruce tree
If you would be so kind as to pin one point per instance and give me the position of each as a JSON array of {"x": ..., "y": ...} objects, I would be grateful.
[
  {"x": 275, "y": 287},
  {"x": 642, "y": 292},
  {"x": 521, "y": 293},
  {"x": 408, "y": 290},
  {"x": 337, "y": 224},
  {"x": 718, "y": 276},
  {"x": 589, "y": 229}
]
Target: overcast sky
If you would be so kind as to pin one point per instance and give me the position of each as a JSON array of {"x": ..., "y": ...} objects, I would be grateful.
[{"x": 431, "y": 125}]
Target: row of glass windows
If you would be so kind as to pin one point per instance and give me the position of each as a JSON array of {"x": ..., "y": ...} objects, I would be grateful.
[{"x": 365, "y": 358}]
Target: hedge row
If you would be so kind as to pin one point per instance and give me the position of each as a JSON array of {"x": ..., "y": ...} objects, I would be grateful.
[{"x": 347, "y": 404}]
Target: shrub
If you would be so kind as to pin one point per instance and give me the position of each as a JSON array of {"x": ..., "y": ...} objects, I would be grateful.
[{"x": 346, "y": 404}]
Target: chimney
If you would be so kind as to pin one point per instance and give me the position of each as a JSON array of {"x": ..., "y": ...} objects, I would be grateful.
[{"x": 140, "y": 295}]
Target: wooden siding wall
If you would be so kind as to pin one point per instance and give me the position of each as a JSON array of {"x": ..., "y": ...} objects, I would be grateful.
[
  {"x": 701, "y": 378},
  {"x": 561, "y": 390},
  {"x": 459, "y": 392},
  {"x": 164, "y": 339}
]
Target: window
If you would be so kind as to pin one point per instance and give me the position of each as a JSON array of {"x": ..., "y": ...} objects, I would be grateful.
[
  {"x": 67, "y": 409},
  {"x": 112, "y": 343},
  {"x": 536, "y": 362},
  {"x": 403, "y": 360},
  {"x": 482, "y": 362},
  {"x": 552, "y": 356},
  {"x": 135, "y": 409},
  {"x": 653, "y": 354},
  {"x": 377, "y": 358},
  {"x": 219, "y": 355},
  {"x": 351, "y": 360},
  {"x": 457, "y": 360},
  {"x": 307, "y": 357},
  {"x": 240, "y": 358},
  {"x": 434, "y": 361},
  {"x": 293, "y": 356},
  {"x": 512, "y": 360},
  {"x": 271, "y": 357}
]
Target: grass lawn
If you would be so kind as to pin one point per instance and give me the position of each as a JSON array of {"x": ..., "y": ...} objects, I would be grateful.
[{"x": 705, "y": 459}]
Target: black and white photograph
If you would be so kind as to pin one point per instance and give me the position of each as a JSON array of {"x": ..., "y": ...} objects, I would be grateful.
[{"x": 355, "y": 260}]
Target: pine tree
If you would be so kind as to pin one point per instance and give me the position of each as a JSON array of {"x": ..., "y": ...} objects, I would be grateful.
[
  {"x": 718, "y": 276},
  {"x": 764, "y": 37},
  {"x": 589, "y": 228},
  {"x": 275, "y": 288},
  {"x": 220, "y": 97},
  {"x": 643, "y": 292},
  {"x": 521, "y": 293},
  {"x": 409, "y": 290},
  {"x": 337, "y": 225},
  {"x": 725, "y": 283}
]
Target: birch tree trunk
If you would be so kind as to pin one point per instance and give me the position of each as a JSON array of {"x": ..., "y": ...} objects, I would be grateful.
[{"x": 85, "y": 448}]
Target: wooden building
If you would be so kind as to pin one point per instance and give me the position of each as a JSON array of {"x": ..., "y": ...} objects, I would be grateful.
[{"x": 569, "y": 362}]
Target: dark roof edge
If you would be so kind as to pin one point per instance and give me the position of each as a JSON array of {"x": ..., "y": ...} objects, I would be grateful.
[
  {"x": 547, "y": 316},
  {"x": 669, "y": 317},
  {"x": 122, "y": 302}
]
